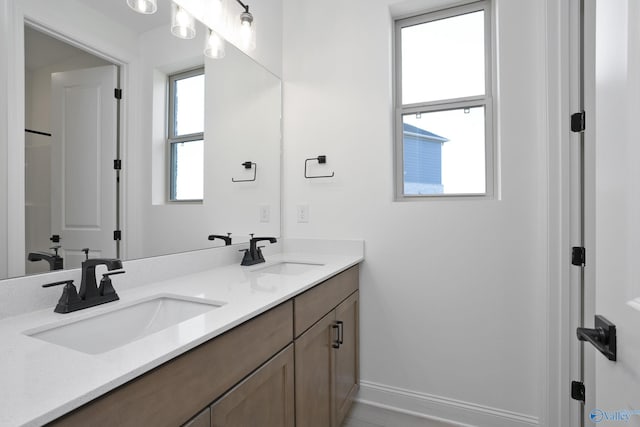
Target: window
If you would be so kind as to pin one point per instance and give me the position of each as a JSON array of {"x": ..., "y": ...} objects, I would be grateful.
[
  {"x": 186, "y": 136},
  {"x": 444, "y": 143}
]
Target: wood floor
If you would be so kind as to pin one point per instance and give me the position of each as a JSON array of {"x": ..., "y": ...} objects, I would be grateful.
[{"x": 370, "y": 416}]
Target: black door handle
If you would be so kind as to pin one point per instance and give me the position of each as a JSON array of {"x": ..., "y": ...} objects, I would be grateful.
[{"x": 603, "y": 337}]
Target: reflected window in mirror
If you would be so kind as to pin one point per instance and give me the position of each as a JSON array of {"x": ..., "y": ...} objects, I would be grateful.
[{"x": 186, "y": 135}]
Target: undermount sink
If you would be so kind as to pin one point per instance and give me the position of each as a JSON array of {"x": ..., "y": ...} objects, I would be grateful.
[
  {"x": 113, "y": 329},
  {"x": 288, "y": 268}
]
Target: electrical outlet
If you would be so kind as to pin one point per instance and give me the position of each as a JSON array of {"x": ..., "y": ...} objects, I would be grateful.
[
  {"x": 265, "y": 213},
  {"x": 303, "y": 213}
]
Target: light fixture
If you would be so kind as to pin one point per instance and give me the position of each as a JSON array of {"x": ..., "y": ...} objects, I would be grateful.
[
  {"x": 143, "y": 6},
  {"x": 214, "y": 46},
  {"x": 183, "y": 25},
  {"x": 247, "y": 28}
]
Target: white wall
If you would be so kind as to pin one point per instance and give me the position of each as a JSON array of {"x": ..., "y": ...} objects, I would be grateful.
[{"x": 452, "y": 292}]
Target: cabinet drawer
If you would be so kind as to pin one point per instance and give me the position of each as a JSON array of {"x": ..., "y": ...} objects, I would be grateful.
[
  {"x": 313, "y": 304},
  {"x": 170, "y": 394}
]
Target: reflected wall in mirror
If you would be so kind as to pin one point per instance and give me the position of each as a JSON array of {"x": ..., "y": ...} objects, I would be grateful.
[{"x": 71, "y": 187}]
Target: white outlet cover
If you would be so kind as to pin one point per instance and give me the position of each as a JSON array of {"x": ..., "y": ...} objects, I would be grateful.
[{"x": 303, "y": 213}]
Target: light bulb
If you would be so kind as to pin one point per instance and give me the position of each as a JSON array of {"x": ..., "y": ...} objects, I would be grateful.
[
  {"x": 182, "y": 23},
  {"x": 247, "y": 31},
  {"x": 146, "y": 7},
  {"x": 214, "y": 46}
]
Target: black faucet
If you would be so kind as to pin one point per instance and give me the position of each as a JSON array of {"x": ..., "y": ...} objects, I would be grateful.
[
  {"x": 55, "y": 261},
  {"x": 89, "y": 294},
  {"x": 88, "y": 285},
  {"x": 227, "y": 238},
  {"x": 253, "y": 255}
]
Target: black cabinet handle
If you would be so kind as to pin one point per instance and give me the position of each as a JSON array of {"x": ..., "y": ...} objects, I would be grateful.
[
  {"x": 340, "y": 332},
  {"x": 336, "y": 342}
]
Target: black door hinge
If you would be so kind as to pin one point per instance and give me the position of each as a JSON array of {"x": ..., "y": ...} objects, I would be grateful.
[
  {"x": 577, "y": 390},
  {"x": 578, "y": 122},
  {"x": 117, "y": 235},
  {"x": 117, "y": 93},
  {"x": 578, "y": 256},
  {"x": 117, "y": 164}
]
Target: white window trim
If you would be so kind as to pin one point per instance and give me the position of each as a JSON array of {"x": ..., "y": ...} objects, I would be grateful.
[
  {"x": 171, "y": 139},
  {"x": 486, "y": 101}
]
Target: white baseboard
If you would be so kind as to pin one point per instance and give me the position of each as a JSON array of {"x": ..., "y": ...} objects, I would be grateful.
[{"x": 455, "y": 412}]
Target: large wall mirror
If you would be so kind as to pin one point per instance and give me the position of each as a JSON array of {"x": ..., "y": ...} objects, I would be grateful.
[{"x": 198, "y": 140}]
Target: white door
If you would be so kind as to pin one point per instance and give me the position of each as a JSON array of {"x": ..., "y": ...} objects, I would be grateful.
[
  {"x": 613, "y": 208},
  {"x": 84, "y": 144}
]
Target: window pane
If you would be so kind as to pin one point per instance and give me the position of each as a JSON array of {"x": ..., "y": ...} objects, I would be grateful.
[
  {"x": 443, "y": 59},
  {"x": 187, "y": 170},
  {"x": 189, "y": 105},
  {"x": 444, "y": 152}
]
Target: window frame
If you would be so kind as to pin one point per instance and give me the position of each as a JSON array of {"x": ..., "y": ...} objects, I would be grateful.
[
  {"x": 172, "y": 139},
  {"x": 485, "y": 101}
]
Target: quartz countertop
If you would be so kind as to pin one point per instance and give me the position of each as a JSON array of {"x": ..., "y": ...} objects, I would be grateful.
[{"x": 41, "y": 381}]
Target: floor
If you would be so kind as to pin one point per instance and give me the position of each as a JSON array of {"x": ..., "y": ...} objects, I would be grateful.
[{"x": 370, "y": 416}]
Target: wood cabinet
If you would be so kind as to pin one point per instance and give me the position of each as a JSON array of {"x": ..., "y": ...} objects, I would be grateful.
[
  {"x": 203, "y": 419},
  {"x": 172, "y": 393},
  {"x": 294, "y": 365},
  {"x": 346, "y": 366},
  {"x": 327, "y": 371},
  {"x": 265, "y": 398}
]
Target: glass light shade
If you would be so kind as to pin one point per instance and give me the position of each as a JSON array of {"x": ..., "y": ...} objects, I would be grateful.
[
  {"x": 214, "y": 46},
  {"x": 183, "y": 25},
  {"x": 146, "y": 7},
  {"x": 247, "y": 31}
]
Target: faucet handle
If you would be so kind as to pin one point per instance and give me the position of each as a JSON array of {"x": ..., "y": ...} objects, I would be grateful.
[
  {"x": 62, "y": 282},
  {"x": 106, "y": 287},
  {"x": 112, "y": 273},
  {"x": 86, "y": 253},
  {"x": 69, "y": 297}
]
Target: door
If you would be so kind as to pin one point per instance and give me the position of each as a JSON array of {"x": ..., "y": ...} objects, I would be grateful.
[
  {"x": 265, "y": 398},
  {"x": 346, "y": 357},
  {"x": 314, "y": 374},
  {"x": 84, "y": 146},
  {"x": 612, "y": 211}
]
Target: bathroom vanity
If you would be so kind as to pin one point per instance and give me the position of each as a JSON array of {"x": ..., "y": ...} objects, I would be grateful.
[{"x": 280, "y": 345}]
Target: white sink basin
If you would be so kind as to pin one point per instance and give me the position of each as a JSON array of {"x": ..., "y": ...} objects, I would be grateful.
[
  {"x": 113, "y": 329},
  {"x": 288, "y": 268}
]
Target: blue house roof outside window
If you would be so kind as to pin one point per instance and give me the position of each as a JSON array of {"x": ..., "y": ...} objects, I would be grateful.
[{"x": 422, "y": 161}]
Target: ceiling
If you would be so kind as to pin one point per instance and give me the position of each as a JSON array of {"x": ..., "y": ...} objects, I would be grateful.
[
  {"x": 44, "y": 50},
  {"x": 118, "y": 11}
]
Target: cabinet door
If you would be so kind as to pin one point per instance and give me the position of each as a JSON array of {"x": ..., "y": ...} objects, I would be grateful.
[
  {"x": 346, "y": 357},
  {"x": 264, "y": 398},
  {"x": 203, "y": 419},
  {"x": 314, "y": 374}
]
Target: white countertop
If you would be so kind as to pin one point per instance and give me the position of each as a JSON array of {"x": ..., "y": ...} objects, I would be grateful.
[{"x": 40, "y": 381}]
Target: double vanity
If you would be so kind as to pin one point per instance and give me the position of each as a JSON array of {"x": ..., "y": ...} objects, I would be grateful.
[{"x": 226, "y": 345}]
